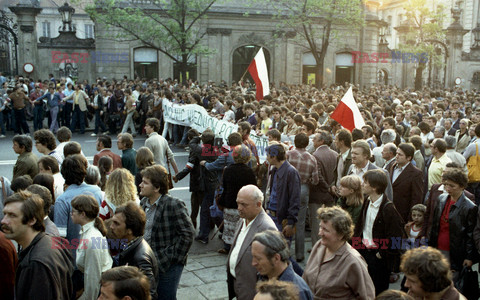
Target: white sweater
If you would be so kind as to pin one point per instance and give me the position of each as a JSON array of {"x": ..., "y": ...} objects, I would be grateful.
[{"x": 93, "y": 258}]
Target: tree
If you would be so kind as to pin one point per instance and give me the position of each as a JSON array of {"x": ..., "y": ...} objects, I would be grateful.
[
  {"x": 423, "y": 35},
  {"x": 316, "y": 23},
  {"x": 169, "y": 26}
]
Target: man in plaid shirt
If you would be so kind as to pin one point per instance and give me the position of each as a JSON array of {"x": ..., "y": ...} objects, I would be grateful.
[
  {"x": 306, "y": 166},
  {"x": 168, "y": 230}
]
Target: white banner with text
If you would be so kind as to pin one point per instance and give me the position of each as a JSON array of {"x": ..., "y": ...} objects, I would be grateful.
[{"x": 195, "y": 116}]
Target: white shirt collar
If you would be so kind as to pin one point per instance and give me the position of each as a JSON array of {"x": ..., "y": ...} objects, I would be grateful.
[{"x": 376, "y": 203}]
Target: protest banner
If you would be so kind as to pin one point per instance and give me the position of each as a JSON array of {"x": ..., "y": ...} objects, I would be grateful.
[{"x": 195, "y": 116}]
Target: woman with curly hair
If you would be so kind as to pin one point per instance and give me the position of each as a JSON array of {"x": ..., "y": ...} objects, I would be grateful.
[{"x": 119, "y": 189}]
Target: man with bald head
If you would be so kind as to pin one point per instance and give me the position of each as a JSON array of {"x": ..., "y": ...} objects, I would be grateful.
[{"x": 242, "y": 276}]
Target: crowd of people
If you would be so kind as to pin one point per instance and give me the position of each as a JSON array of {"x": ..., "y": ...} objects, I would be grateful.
[{"x": 398, "y": 195}]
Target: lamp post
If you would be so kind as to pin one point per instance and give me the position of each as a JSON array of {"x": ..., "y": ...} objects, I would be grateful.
[
  {"x": 66, "y": 11},
  {"x": 383, "y": 43}
]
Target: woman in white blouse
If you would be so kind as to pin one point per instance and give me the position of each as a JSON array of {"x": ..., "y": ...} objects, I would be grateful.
[{"x": 93, "y": 257}]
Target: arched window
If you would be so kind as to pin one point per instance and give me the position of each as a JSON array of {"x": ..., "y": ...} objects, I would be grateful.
[
  {"x": 146, "y": 63},
  {"x": 382, "y": 77},
  {"x": 242, "y": 57}
]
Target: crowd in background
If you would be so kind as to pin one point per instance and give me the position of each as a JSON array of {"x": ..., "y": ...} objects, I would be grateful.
[{"x": 407, "y": 179}]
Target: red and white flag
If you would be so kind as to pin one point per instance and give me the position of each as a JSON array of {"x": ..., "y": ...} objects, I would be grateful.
[
  {"x": 259, "y": 72},
  {"x": 347, "y": 113}
]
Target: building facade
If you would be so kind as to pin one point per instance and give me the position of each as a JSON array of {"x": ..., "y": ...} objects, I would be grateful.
[{"x": 90, "y": 52}]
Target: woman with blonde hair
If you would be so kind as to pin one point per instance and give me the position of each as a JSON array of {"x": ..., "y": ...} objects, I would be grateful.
[
  {"x": 119, "y": 189},
  {"x": 92, "y": 258},
  {"x": 351, "y": 196},
  {"x": 143, "y": 159}
]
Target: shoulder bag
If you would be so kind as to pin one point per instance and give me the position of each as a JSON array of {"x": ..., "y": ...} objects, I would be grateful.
[{"x": 474, "y": 167}]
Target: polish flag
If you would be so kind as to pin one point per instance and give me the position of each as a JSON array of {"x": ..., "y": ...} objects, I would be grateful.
[
  {"x": 259, "y": 72},
  {"x": 347, "y": 112}
]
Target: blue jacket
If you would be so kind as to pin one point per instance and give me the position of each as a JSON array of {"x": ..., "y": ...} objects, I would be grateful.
[
  {"x": 288, "y": 193},
  {"x": 51, "y": 102},
  {"x": 63, "y": 208},
  {"x": 290, "y": 276}
]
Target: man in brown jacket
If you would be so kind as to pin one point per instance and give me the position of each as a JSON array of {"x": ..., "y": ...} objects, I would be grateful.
[
  {"x": 320, "y": 193},
  {"x": 19, "y": 101}
]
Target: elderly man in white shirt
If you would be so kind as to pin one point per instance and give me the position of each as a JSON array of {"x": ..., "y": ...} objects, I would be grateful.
[{"x": 242, "y": 276}]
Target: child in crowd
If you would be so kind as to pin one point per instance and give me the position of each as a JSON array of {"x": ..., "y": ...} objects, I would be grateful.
[
  {"x": 414, "y": 227},
  {"x": 351, "y": 196}
]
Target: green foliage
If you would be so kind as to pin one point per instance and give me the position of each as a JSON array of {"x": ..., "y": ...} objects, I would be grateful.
[
  {"x": 316, "y": 23},
  {"x": 426, "y": 26},
  {"x": 171, "y": 27}
]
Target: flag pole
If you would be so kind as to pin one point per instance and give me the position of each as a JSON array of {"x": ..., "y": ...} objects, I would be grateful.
[
  {"x": 241, "y": 78},
  {"x": 244, "y": 73}
]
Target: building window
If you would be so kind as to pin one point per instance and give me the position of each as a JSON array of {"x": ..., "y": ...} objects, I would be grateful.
[
  {"x": 88, "y": 31},
  {"x": 309, "y": 69},
  {"x": 146, "y": 63},
  {"x": 46, "y": 29},
  {"x": 242, "y": 57},
  {"x": 344, "y": 68}
]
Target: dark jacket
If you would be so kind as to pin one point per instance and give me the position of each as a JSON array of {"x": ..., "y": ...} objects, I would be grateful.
[
  {"x": 239, "y": 114},
  {"x": 279, "y": 125},
  {"x": 144, "y": 103},
  {"x": 326, "y": 161},
  {"x": 193, "y": 166},
  {"x": 407, "y": 190},
  {"x": 235, "y": 177},
  {"x": 44, "y": 271},
  {"x": 461, "y": 219},
  {"x": 346, "y": 164},
  {"x": 140, "y": 255},
  {"x": 387, "y": 225},
  {"x": 128, "y": 160},
  {"x": 210, "y": 178},
  {"x": 288, "y": 193},
  {"x": 432, "y": 201}
]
